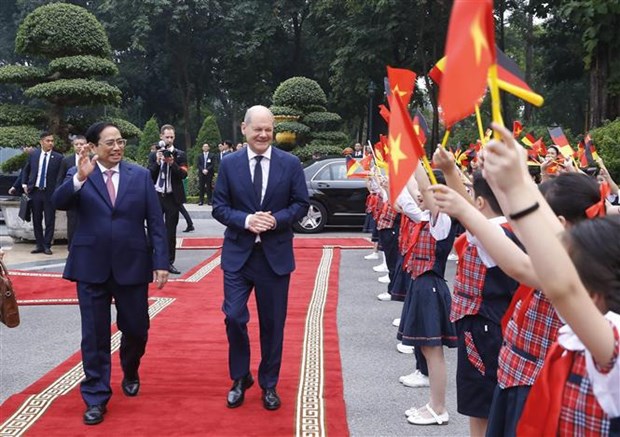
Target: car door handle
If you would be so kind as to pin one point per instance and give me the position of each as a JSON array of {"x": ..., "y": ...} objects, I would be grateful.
[{"x": 323, "y": 185}]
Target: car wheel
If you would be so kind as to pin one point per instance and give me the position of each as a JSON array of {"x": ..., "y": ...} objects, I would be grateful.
[{"x": 315, "y": 219}]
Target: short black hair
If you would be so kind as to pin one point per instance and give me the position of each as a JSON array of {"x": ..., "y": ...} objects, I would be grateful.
[
  {"x": 570, "y": 194},
  {"x": 94, "y": 131},
  {"x": 45, "y": 134},
  {"x": 482, "y": 189}
]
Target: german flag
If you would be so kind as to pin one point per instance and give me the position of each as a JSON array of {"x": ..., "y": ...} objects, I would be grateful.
[
  {"x": 591, "y": 152},
  {"x": 420, "y": 126},
  {"x": 557, "y": 135},
  {"x": 511, "y": 80}
]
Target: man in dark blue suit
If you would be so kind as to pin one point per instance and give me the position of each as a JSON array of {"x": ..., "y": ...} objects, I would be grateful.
[
  {"x": 112, "y": 256},
  {"x": 39, "y": 181},
  {"x": 260, "y": 192}
]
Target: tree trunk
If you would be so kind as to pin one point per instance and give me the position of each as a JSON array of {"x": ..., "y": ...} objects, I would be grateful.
[{"x": 598, "y": 87}]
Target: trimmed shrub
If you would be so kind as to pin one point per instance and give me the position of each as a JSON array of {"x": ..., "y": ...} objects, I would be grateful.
[
  {"x": 292, "y": 126},
  {"x": 322, "y": 120},
  {"x": 331, "y": 137},
  {"x": 607, "y": 141},
  {"x": 128, "y": 129},
  {"x": 15, "y": 115},
  {"x": 305, "y": 153},
  {"x": 14, "y": 163},
  {"x": 21, "y": 74},
  {"x": 76, "y": 92},
  {"x": 18, "y": 136},
  {"x": 61, "y": 29},
  {"x": 83, "y": 66},
  {"x": 285, "y": 110},
  {"x": 299, "y": 92}
]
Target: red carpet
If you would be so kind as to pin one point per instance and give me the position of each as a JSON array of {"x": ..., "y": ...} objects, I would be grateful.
[{"x": 184, "y": 372}]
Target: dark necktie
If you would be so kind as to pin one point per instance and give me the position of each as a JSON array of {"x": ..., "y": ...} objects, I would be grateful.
[
  {"x": 43, "y": 171},
  {"x": 258, "y": 178},
  {"x": 163, "y": 177}
]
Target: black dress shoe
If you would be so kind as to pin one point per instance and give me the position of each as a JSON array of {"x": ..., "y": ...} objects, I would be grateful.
[
  {"x": 130, "y": 387},
  {"x": 48, "y": 251},
  {"x": 271, "y": 400},
  {"x": 37, "y": 250},
  {"x": 190, "y": 228},
  {"x": 172, "y": 269},
  {"x": 94, "y": 414},
  {"x": 200, "y": 203},
  {"x": 237, "y": 391}
]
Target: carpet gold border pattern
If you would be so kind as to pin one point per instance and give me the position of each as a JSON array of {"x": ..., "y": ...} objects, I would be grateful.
[
  {"x": 310, "y": 416},
  {"x": 36, "y": 405}
]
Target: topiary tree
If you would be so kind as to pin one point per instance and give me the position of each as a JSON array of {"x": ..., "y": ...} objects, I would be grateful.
[
  {"x": 150, "y": 135},
  {"x": 67, "y": 51},
  {"x": 208, "y": 133},
  {"x": 301, "y": 118}
]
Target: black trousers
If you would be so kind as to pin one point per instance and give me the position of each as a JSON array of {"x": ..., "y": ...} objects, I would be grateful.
[
  {"x": 42, "y": 206},
  {"x": 170, "y": 208},
  {"x": 132, "y": 319},
  {"x": 205, "y": 186}
]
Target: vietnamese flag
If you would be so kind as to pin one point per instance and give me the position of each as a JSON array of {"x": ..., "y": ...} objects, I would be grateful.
[
  {"x": 385, "y": 113},
  {"x": 517, "y": 128},
  {"x": 402, "y": 83},
  {"x": 405, "y": 148},
  {"x": 470, "y": 51}
]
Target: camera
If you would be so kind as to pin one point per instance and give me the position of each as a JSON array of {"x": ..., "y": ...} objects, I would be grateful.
[
  {"x": 160, "y": 146},
  {"x": 167, "y": 153}
]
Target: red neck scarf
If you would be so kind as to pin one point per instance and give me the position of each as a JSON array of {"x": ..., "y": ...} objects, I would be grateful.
[
  {"x": 541, "y": 414},
  {"x": 598, "y": 209}
]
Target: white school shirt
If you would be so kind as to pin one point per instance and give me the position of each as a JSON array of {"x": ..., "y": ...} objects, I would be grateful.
[{"x": 482, "y": 253}]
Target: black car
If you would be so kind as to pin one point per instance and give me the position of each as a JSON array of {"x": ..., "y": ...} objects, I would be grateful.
[{"x": 334, "y": 199}]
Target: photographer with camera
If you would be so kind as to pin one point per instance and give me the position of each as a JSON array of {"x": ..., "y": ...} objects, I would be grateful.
[{"x": 168, "y": 170}]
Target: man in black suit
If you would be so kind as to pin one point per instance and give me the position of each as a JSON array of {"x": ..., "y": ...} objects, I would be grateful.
[
  {"x": 358, "y": 152},
  {"x": 39, "y": 181},
  {"x": 168, "y": 172},
  {"x": 79, "y": 143},
  {"x": 205, "y": 163}
]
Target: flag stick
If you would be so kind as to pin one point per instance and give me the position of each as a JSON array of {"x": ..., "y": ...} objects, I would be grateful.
[
  {"x": 429, "y": 170},
  {"x": 479, "y": 123},
  {"x": 495, "y": 99},
  {"x": 528, "y": 96},
  {"x": 444, "y": 142}
]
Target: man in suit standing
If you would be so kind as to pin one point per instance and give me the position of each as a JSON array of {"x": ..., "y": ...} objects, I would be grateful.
[
  {"x": 168, "y": 172},
  {"x": 111, "y": 194},
  {"x": 39, "y": 181},
  {"x": 78, "y": 142},
  {"x": 205, "y": 163},
  {"x": 260, "y": 192}
]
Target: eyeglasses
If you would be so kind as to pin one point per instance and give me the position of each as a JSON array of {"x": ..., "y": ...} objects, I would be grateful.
[{"x": 120, "y": 142}]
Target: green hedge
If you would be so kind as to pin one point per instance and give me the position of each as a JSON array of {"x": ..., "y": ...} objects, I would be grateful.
[
  {"x": 61, "y": 29},
  {"x": 83, "y": 66},
  {"x": 305, "y": 153},
  {"x": 607, "y": 141},
  {"x": 14, "y": 163},
  {"x": 76, "y": 92},
  {"x": 21, "y": 74},
  {"x": 150, "y": 135},
  {"x": 298, "y": 93},
  {"x": 15, "y": 115},
  {"x": 18, "y": 136}
]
